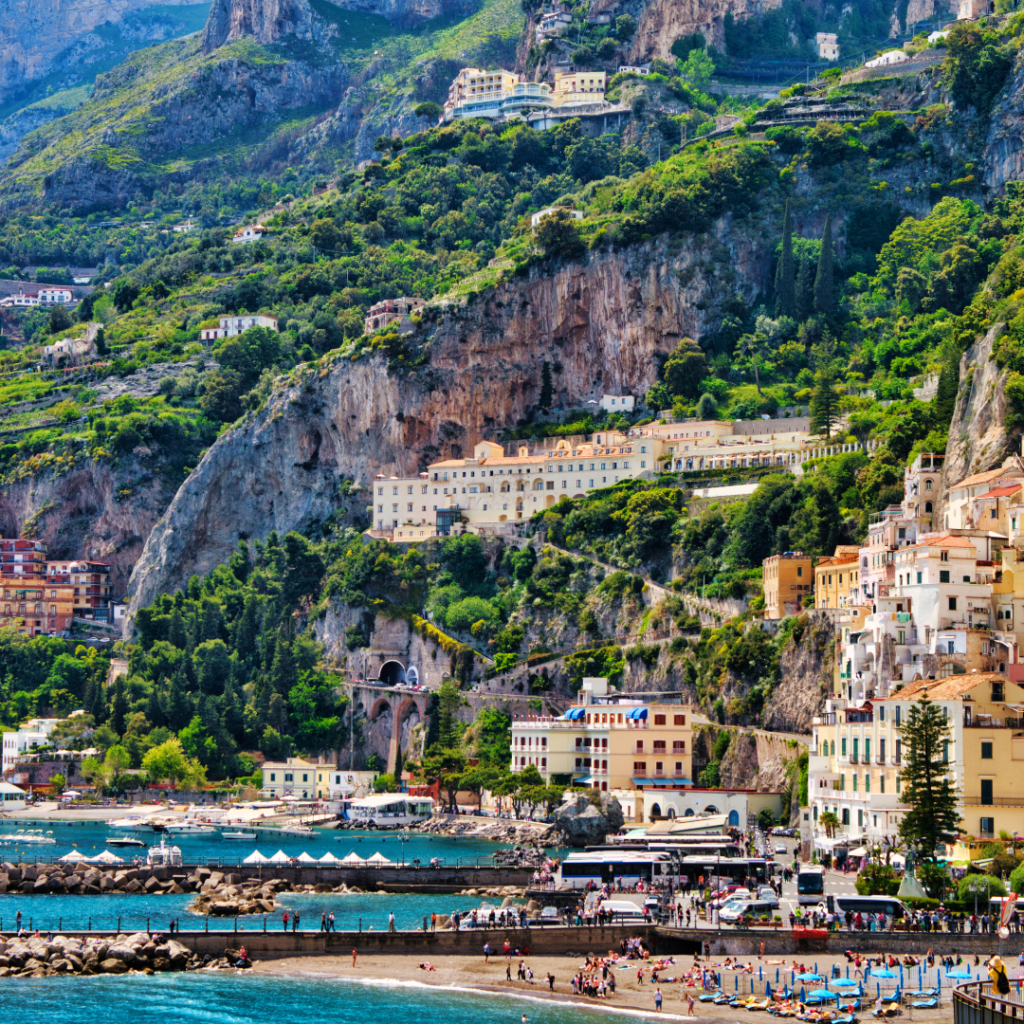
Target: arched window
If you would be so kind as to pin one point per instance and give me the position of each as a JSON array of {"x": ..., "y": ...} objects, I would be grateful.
[
  {"x": 928, "y": 506},
  {"x": 655, "y": 812},
  {"x": 927, "y": 485}
]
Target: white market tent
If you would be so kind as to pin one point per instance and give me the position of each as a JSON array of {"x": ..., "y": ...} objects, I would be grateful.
[
  {"x": 378, "y": 860},
  {"x": 304, "y": 858},
  {"x": 73, "y": 857},
  {"x": 353, "y": 859},
  {"x": 329, "y": 858},
  {"x": 279, "y": 858},
  {"x": 106, "y": 857},
  {"x": 255, "y": 858}
]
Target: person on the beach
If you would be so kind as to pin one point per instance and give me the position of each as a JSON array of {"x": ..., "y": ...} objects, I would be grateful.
[
  {"x": 487, "y": 951},
  {"x": 551, "y": 981},
  {"x": 508, "y": 971},
  {"x": 657, "y": 1000},
  {"x": 689, "y": 1005},
  {"x": 355, "y": 953}
]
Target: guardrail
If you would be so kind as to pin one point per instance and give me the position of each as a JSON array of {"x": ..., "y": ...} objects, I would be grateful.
[{"x": 976, "y": 1003}]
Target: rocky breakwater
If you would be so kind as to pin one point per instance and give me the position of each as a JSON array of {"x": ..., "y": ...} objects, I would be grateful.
[
  {"x": 227, "y": 895},
  {"x": 498, "y": 830},
  {"x": 82, "y": 879},
  {"x": 38, "y": 957}
]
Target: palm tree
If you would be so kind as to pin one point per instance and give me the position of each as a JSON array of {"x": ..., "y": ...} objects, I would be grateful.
[
  {"x": 754, "y": 346},
  {"x": 829, "y": 822}
]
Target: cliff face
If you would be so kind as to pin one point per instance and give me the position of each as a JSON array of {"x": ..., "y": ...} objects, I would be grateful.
[
  {"x": 805, "y": 666},
  {"x": 267, "y": 21},
  {"x": 34, "y": 33},
  {"x": 87, "y": 514},
  {"x": 598, "y": 324},
  {"x": 978, "y": 438},
  {"x": 1004, "y": 147},
  {"x": 408, "y": 12}
]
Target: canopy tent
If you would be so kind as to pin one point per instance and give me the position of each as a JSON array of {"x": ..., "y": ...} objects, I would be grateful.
[
  {"x": 574, "y": 714},
  {"x": 106, "y": 857},
  {"x": 255, "y": 858},
  {"x": 910, "y": 886},
  {"x": 279, "y": 858},
  {"x": 70, "y": 794},
  {"x": 353, "y": 859},
  {"x": 637, "y": 714},
  {"x": 378, "y": 860},
  {"x": 304, "y": 858},
  {"x": 73, "y": 857},
  {"x": 328, "y": 858},
  {"x": 861, "y": 851}
]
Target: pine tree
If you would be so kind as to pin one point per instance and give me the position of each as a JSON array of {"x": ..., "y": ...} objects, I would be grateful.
[
  {"x": 178, "y": 706},
  {"x": 212, "y": 620},
  {"x": 946, "y": 390},
  {"x": 785, "y": 275},
  {"x": 247, "y": 630},
  {"x": 825, "y": 400},
  {"x": 119, "y": 707},
  {"x": 824, "y": 285},
  {"x": 928, "y": 787},
  {"x": 176, "y": 634},
  {"x": 546, "y": 388},
  {"x": 282, "y": 671}
]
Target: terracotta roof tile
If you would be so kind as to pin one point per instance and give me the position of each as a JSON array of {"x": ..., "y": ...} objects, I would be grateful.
[{"x": 946, "y": 689}]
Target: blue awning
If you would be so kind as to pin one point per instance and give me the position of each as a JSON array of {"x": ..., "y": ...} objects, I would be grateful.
[
  {"x": 637, "y": 713},
  {"x": 642, "y": 782},
  {"x": 574, "y": 714}
]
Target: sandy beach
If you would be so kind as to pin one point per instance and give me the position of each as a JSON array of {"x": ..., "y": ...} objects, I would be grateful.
[{"x": 472, "y": 974}]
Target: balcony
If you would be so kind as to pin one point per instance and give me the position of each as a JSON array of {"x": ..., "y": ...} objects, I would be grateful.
[
  {"x": 996, "y": 801},
  {"x": 988, "y": 722},
  {"x": 880, "y": 759}
]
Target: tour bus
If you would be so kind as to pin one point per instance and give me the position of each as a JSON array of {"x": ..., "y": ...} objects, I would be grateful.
[
  {"x": 722, "y": 869},
  {"x": 810, "y": 884},
  {"x": 601, "y": 867},
  {"x": 863, "y": 905}
]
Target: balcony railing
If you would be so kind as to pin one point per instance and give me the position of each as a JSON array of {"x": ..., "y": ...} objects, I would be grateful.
[
  {"x": 996, "y": 801},
  {"x": 880, "y": 759},
  {"x": 994, "y": 723}
]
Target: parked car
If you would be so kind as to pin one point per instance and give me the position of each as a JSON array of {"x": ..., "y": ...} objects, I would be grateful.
[
  {"x": 781, "y": 848},
  {"x": 767, "y": 895}
]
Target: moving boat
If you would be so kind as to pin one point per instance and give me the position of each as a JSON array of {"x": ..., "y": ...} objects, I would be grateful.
[
  {"x": 188, "y": 828},
  {"x": 124, "y": 841},
  {"x": 164, "y": 856},
  {"x": 31, "y": 837},
  {"x": 251, "y": 836}
]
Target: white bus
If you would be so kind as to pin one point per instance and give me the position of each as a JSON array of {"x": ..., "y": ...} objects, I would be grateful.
[
  {"x": 601, "y": 867},
  {"x": 810, "y": 884}
]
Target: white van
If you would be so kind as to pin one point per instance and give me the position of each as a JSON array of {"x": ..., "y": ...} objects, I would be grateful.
[
  {"x": 755, "y": 909},
  {"x": 622, "y": 910}
]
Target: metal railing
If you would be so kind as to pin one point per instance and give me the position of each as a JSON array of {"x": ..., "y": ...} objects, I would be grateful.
[
  {"x": 995, "y": 801},
  {"x": 977, "y": 1003}
]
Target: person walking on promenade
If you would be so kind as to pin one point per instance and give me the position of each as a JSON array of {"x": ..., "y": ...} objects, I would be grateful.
[
  {"x": 323, "y": 921},
  {"x": 295, "y": 922},
  {"x": 284, "y": 920},
  {"x": 391, "y": 921},
  {"x": 330, "y": 922}
]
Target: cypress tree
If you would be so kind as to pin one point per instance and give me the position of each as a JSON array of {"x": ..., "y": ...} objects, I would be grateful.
[
  {"x": 946, "y": 390},
  {"x": 119, "y": 707},
  {"x": 805, "y": 288},
  {"x": 825, "y": 400},
  {"x": 824, "y": 284},
  {"x": 785, "y": 274},
  {"x": 178, "y": 708},
  {"x": 546, "y": 388},
  {"x": 177, "y": 635}
]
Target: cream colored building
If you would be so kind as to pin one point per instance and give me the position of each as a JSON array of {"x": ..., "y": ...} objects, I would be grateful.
[
  {"x": 608, "y": 741},
  {"x": 857, "y": 753},
  {"x": 334, "y": 783},
  {"x": 576, "y": 88},
  {"x": 493, "y": 94},
  {"x": 837, "y": 579},
  {"x": 294, "y": 777}
]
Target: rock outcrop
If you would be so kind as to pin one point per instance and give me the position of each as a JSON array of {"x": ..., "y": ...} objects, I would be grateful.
[
  {"x": 599, "y": 324},
  {"x": 805, "y": 666},
  {"x": 404, "y": 13},
  {"x": 266, "y": 21},
  {"x": 581, "y": 823},
  {"x": 978, "y": 438},
  {"x": 1004, "y": 147}
]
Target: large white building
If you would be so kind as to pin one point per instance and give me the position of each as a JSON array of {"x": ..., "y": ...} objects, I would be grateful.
[
  {"x": 33, "y": 733},
  {"x": 232, "y": 326}
]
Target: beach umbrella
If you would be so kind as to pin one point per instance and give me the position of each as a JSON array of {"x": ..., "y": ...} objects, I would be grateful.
[
  {"x": 845, "y": 983},
  {"x": 304, "y": 858},
  {"x": 255, "y": 858},
  {"x": 106, "y": 857},
  {"x": 70, "y": 793},
  {"x": 822, "y": 993},
  {"x": 958, "y": 974},
  {"x": 883, "y": 972},
  {"x": 73, "y": 857},
  {"x": 328, "y": 858},
  {"x": 279, "y": 858},
  {"x": 809, "y": 977}
]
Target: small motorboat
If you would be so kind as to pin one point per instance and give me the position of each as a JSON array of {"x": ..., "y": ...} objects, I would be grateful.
[
  {"x": 124, "y": 841},
  {"x": 299, "y": 830},
  {"x": 188, "y": 828},
  {"x": 134, "y": 823},
  {"x": 249, "y": 836}
]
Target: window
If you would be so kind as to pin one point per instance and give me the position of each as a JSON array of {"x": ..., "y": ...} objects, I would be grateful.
[
  {"x": 679, "y": 720},
  {"x": 856, "y": 743},
  {"x": 945, "y": 751},
  {"x": 867, "y": 749},
  {"x": 881, "y": 782},
  {"x": 897, "y": 722},
  {"x": 856, "y": 781},
  {"x": 881, "y": 718},
  {"x": 867, "y": 782},
  {"x": 659, "y": 719},
  {"x": 899, "y": 751},
  {"x": 881, "y": 749},
  {"x": 843, "y": 746},
  {"x": 944, "y": 556},
  {"x": 640, "y": 767},
  {"x": 897, "y": 784},
  {"x": 287, "y": 776},
  {"x": 273, "y": 776},
  {"x": 860, "y": 818},
  {"x": 842, "y": 782},
  {"x": 659, "y": 746},
  {"x": 986, "y": 751},
  {"x": 943, "y": 575},
  {"x": 800, "y": 572},
  {"x": 846, "y": 816},
  {"x": 952, "y": 604},
  {"x": 988, "y": 826},
  {"x": 679, "y": 746},
  {"x": 919, "y": 577}
]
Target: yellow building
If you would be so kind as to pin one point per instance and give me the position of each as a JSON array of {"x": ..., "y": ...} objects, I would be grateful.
[
  {"x": 786, "y": 579},
  {"x": 294, "y": 777},
  {"x": 608, "y": 741},
  {"x": 836, "y": 577},
  {"x": 578, "y": 87}
]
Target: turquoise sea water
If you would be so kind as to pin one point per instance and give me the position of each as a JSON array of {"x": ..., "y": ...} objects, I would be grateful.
[
  {"x": 228, "y": 998},
  {"x": 101, "y": 913}
]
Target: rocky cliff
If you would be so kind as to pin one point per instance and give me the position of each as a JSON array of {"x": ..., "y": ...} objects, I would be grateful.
[
  {"x": 599, "y": 324},
  {"x": 267, "y": 21},
  {"x": 408, "y": 12},
  {"x": 35, "y": 33},
  {"x": 805, "y": 666},
  {"x": 1004, "y": 146},
  {"x": 978, "y": 438}
]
